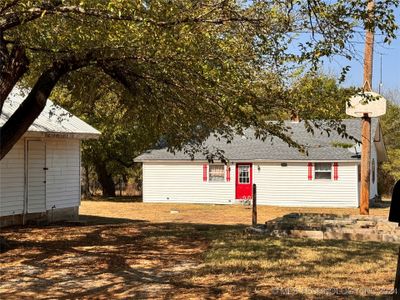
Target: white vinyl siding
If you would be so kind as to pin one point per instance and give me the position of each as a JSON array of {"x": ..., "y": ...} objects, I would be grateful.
[
  {"x": 62, "y": 176},
  {"x": 289, "y": 186},
  {"x": 183, "y": 183},
  {"x": 62, "y": 188},
  {"x": 12, "y": 181},
  {"x": 373, "y": 188}
]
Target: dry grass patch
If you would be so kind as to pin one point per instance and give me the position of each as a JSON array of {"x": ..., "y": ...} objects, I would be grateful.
[
  {"x": 101, "y": 261},
  {"x": 259, "y": 267},
  {"x": 142, "y": 251},
  {"x": 203, "y": 213}
]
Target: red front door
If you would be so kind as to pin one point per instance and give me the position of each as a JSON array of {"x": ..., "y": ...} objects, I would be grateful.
[{"x": 244, "y": 181}]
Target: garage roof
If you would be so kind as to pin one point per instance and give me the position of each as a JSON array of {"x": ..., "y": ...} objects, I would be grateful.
[{"x": 53, "y": 120}]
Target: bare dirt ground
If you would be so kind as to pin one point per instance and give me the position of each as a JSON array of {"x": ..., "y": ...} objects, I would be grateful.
[{"x": 143, "y": 251}]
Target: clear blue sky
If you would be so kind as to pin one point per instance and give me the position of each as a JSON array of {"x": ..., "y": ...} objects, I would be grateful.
[{"x": 390, "y": 63}]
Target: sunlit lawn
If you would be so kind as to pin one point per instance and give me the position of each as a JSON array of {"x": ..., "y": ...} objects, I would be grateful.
[
  {"x": 257, "y": 266},
  {"x": 203, "y": 214},
  {"x": 142, "y": 251}
]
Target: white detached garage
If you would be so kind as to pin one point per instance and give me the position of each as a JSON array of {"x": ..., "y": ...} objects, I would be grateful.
[
  {"x": 327, "y": 177},
  {"x": 40, "y": 176}
]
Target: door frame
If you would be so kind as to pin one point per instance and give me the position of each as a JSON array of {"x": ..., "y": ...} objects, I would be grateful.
[{"x": 237, "y": 178}]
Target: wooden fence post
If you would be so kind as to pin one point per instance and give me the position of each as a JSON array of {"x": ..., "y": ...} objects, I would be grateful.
[{"x": 254, "y": 210}]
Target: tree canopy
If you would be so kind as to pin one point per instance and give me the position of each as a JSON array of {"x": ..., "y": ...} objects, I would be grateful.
[
  {"x": 390, "y": 170},
  {"x": 194, "y": 67},
  {"x": 126, "y": 132}
]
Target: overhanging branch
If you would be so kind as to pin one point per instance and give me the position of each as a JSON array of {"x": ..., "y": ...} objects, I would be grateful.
[
  {"x": 13, "y": 19},
  {"x": 34, "y": 103}
]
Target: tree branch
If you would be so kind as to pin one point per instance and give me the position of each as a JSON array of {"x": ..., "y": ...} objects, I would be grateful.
[
  {"x": 8, "y": 6},
  {"x": 10, "y": 20},
  {"x": 12, "y": 67},
  {"x": 33, "y": 105}
]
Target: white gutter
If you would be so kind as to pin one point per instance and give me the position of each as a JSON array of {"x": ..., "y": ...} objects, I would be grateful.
[{"x": 246, "y": 160}]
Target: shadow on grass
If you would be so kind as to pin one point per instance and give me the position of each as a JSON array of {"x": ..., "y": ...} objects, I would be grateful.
[
  {"x": 97, "y": 220},
  {"x": 116, "y": 199},
  {"x": 381, "y": 204},
  {"x": 122, "y": 258},
  {"x": 136, "y": 259}
]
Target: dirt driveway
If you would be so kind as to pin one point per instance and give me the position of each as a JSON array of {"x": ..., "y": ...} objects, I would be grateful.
[{"x": 154, "y": 251}]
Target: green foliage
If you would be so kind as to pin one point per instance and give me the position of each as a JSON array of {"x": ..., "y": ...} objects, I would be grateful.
[
  {"x": 125, "y": 132},
  {"x": 390, "y": 171},
  {"x": 183, "y": 70},
  {"x": 197, "y": 67},
  {"x": 342, "y": 145},
  {"x": 320, "y": 97}
]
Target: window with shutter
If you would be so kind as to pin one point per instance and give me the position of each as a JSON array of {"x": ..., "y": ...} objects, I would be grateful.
[
  {"x": 216, "y": 173},
  {"x": 323, "y": 171}
]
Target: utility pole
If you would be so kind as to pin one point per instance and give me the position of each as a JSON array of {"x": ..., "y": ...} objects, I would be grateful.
[{"x": 366, "y": 119}]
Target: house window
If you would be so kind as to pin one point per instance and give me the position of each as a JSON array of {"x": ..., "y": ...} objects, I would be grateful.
[
  {"x": 216, "y": 173},
  {"x": 323, "y": 171},
  {"x": 244, "y": 174}
]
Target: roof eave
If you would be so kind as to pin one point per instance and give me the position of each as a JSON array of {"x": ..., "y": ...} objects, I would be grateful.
[
  {"x": 64, "y": 135},
  {"x": 144, "y": 160}
]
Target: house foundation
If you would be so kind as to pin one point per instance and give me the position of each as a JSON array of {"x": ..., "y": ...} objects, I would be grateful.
[{"x": 51, "y": 215}]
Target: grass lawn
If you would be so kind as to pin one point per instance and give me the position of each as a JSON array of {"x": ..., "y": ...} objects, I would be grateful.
[
  {"x": 203, "y": 214},
  {"x": 141, "y": 251}
]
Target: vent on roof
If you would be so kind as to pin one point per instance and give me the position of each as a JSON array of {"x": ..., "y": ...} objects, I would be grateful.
[{"x": 356, "y": 150}]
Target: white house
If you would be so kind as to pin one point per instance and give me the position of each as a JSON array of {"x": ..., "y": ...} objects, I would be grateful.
[
  {"x": 40, "y": 176},
  {"x": 327, "y": 177}
]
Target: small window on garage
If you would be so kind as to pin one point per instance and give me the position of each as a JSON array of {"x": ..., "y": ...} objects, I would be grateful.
[
  {"x": 323, "y": 171},
  {"x": 216, "y": 173}
]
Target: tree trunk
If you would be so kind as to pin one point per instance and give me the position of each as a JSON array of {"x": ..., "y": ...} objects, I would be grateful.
[
  {"x": 86, "y": 190},
  {"x": 33, "y": 105},
  {"x": 105, "y": 179}
]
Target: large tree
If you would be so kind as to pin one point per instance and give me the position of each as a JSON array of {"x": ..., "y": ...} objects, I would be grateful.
[
  {"x": 126, "y": 132},
  {"x": 389, "y": 171},
  {"x": 193, "y": 66}
]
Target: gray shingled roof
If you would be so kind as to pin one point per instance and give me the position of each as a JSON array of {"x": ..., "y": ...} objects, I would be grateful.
[{"x": 248, "y": 148}]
